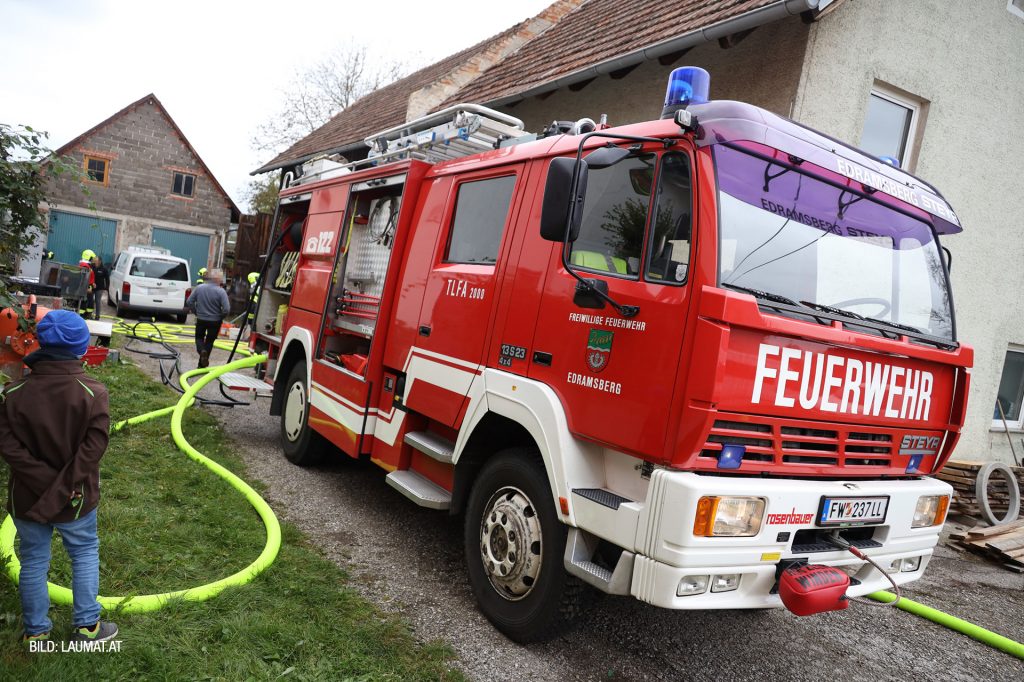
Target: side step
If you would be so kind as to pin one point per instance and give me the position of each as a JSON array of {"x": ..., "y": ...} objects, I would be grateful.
[
  {"x": 579, "y": 550},
  {"x": 419, "y": 489},
  {"x": 431, "y": 445},
  {"x": 236, "y": 381}
]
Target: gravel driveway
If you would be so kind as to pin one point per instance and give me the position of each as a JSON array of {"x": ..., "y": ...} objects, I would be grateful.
[{"x": 410, "y": 560}]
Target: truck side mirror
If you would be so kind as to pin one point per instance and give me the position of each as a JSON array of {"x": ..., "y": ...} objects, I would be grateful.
[{"x": 563, "y": 203}]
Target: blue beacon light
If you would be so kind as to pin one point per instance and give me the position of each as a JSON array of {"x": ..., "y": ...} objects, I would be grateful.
[
  {"x": 686, "y": 85},
  {"x": 731, "y": 456},
  {"x": 891, "y": 160}
]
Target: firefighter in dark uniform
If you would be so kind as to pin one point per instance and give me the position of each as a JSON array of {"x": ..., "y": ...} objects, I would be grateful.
[{"x": 254, "y": 297}]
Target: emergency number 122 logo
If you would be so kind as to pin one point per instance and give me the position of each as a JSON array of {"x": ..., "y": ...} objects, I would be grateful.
[{"x": 599, "y": 349}]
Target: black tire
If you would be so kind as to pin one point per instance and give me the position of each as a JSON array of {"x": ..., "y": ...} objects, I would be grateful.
[
  {"x": 110, "y": 300},
  {"x": 531, "y": 602},
  {"x": 120, "y": 309},
  {"x": 181, "y": 317},
  {"x": 301, "y": 445}
]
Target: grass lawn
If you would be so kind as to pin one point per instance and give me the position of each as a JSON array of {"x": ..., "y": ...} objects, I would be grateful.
[{"x": 168, "y": 523}]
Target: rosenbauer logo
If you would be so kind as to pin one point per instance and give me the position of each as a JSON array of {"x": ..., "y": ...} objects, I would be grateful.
[
  {"x": 833, "y": 383},
  {"x": 320, "y": 243},
  {"x": 790, "y": 519}
]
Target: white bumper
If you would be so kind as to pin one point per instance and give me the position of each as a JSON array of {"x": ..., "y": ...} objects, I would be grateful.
[{"x": 659, "y": 531}]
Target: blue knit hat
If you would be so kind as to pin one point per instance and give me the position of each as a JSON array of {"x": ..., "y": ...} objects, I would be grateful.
[{"x": 63, "y": 330}]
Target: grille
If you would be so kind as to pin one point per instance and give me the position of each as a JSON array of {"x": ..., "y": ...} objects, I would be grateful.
[{"x": 789, "y": 442}]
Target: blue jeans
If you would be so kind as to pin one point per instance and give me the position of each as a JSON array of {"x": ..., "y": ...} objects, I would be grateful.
[{"x": 83, "y": 547}]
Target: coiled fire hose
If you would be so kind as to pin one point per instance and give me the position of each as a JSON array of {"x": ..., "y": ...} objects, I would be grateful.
[{"x": 153, "y": 602}]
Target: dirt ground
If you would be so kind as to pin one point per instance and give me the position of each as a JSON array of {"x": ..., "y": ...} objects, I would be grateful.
[{"x": 410, "y": 560}]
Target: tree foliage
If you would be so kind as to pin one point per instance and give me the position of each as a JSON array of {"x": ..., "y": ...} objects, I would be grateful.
[
  {"x": 26, "y": 165},
  {"x": 322, "y": 90},
  {"x": 261, "y": 193}
]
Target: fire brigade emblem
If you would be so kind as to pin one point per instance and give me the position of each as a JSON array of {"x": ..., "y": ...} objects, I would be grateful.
[{"x": 599, "y": 349}]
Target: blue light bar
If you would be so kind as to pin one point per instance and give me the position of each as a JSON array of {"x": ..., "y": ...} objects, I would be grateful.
[
  {"x": 686, "y": 85},
  {"x": 731, "y": 456}
]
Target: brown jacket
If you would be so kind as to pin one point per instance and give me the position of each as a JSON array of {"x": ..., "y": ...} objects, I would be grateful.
[{"x": 53, "y": 432}]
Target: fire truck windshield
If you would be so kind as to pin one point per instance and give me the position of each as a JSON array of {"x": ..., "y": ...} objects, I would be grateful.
[{"x": 786, "y": 232}]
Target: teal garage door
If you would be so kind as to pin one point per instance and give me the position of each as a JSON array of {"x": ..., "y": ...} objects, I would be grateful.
[
  {"x": 72, "y": 233},
  {"x": 195, "y": 248}
]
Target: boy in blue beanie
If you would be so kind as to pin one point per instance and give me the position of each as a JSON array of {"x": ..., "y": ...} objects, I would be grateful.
[{"x": 53, "y": 432}]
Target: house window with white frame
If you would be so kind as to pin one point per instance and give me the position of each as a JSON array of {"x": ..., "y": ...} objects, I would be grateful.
[
  {"x": 890, "y": 126},
  {"x": 1011, "y": 392}
]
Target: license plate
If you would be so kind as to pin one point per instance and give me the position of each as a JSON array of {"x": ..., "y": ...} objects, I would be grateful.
[{"x": 852, "y": 511}]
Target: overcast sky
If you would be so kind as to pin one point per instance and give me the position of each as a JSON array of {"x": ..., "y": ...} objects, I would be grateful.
[{"x": 218, "y": 66}]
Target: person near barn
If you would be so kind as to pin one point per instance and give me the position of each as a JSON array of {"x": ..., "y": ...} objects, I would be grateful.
[
  {"x": 101, "y": 279},
  {"x": 210, "y": 303}
]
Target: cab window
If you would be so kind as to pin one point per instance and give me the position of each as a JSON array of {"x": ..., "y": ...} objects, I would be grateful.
[
  {"x": 481, "y": 210},
  {"x": 611, "y": 237},
  {"x": 668, "y": 249}
]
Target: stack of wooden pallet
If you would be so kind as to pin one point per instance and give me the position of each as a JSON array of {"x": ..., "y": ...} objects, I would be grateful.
[
  {"x": 962, "y": 476},
  {"x": 1004, "y": 543}
]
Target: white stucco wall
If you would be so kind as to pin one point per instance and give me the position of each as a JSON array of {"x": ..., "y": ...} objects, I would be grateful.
[{"x": 966, "y": 59}]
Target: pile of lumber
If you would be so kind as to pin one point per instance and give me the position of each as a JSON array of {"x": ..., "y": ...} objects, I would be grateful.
[
  {"x": 1003, "y": 543},
  {"x": 962, "y": 476}
]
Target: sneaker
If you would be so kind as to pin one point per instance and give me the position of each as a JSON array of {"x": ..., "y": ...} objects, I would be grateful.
[
  {"x": 102, "y": 631},
  {"x": 204, "y": 359},
  {"x": 41, "y": 637}
]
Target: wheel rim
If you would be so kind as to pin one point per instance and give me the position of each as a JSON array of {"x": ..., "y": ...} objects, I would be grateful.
[
  {"x": 294, "y": 411},
  {"x": 510, "y": 543}
]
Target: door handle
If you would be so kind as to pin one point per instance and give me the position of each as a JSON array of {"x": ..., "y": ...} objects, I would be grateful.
[{"x": 424, "y": 330}]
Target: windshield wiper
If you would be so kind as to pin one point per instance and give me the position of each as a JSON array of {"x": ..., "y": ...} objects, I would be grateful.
[
  {"x": 897, "y": 325},
  {"x": 835, "y": 311},
  {"x": 767, "y": 295}
]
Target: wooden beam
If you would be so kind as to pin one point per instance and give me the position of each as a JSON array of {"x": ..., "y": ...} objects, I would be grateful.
[
  {"x": 671, "y": 57},
  {"x": 734, "y": 39},
  {"x": 576, "y": 87},
  {"x": 623, "y": 72}
]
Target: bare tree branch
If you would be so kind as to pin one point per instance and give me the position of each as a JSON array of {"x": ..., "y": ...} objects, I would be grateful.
[{"x": 320, "y": 91}]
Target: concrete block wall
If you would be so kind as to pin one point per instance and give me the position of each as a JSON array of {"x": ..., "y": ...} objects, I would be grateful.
[{"x": 144, "y": 151}]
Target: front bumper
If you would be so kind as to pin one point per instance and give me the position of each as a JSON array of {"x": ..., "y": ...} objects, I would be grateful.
[{"x": 659, "y": 532}]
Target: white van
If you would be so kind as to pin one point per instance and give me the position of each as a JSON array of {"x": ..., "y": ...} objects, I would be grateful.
[{"x": 148, "y": 279}]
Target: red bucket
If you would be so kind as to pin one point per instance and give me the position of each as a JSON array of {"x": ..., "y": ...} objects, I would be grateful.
[{"x": 95, "y": 355}]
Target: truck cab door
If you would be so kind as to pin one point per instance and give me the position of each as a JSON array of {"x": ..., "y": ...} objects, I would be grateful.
[
  {"x": 616, "y": 375},
  {"x": 456, "y": 317}
]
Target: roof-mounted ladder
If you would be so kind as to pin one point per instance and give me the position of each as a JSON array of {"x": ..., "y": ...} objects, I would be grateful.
[{"x": 457, "y": 131}]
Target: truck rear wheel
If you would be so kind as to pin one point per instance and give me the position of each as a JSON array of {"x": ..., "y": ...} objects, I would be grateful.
[
  {"x": 302, "y": 445},
  {"x": 514, "y": 547}
]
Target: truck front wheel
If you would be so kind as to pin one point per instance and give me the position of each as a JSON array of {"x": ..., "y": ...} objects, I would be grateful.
[
  {"x": 514, "y": 547},
  {"x": 302, "y": 445}
]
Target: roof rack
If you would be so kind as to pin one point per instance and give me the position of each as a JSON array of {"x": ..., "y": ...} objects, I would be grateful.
[{"x": 456, "y": 131}]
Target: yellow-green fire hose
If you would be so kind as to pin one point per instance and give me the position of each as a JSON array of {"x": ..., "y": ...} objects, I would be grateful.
[
  {"x": 152, "y": 602},
  {"x": 953, "y": 623}
]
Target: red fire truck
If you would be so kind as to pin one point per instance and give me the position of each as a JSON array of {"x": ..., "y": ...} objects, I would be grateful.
[{"x": 663, "y": 360}]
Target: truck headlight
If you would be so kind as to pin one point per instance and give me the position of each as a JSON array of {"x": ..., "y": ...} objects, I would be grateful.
[
  {"x": 738, "y": 517},
  {"x": 930, "y": 511}
]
